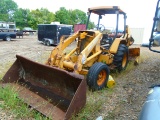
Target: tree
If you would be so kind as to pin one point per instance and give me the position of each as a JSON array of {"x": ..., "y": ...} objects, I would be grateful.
[
  {"x": 78, "y": 17},
  {"x": 7, "y": 9},
  {"x": 47, "y": 16},
  {"x": 41, "y": 16},
  {"x": 27, "y": 18},
  {"x": 62, "y": 16},
  {"x": 91, "y": 25},
  {"x": 22, "y": 16},
  {"x": 72, "y": 17}
]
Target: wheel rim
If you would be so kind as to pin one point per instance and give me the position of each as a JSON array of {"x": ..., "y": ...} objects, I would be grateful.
[
  {"x": 101, "y": 77},
  {"x": 124, "y": 61}
]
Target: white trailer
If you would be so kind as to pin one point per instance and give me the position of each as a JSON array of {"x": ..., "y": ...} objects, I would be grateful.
[{"x": 7, "y": 26}]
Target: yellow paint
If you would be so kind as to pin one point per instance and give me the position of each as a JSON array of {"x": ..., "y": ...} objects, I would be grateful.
[
  {"x": 107, "y": 58},
  {"x": 114, "y": 47},
  {"x": 111, "y": 82}
]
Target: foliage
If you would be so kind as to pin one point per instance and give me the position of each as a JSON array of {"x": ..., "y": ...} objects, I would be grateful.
[
  {"x": 7, "y": 9},
  {"x": 25, "y": 17},
  {"x": 91, "y": 25},
  {"x": 72, "y": 17},
  {"x": 78, "y": 16},
  {"x": 41, "y": 16},
  {"x": 63, "y": 16},
  {"x": 22, "y": 17}
]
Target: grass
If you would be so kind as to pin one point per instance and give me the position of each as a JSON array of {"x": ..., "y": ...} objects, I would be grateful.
[
  {"x": 10, "y": 102},
  {"x": 4, "y": 68},
  {"x": 16, "y": 106},
  {"x": 94, "y": 104}
]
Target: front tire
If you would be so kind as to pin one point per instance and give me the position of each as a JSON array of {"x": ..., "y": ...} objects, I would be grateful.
[
  {"x": 121, "y": 58},
  {"x": 97, "y": 76},
  {"x": 8, "y": 38}
]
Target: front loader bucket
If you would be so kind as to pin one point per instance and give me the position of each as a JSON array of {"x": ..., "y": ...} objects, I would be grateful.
[
  {"x": 134, "y": 54},
  {"x": 54, "y": 92}
]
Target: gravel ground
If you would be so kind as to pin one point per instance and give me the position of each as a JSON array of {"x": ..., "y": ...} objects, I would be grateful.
[{"x": 129, "y": 93}]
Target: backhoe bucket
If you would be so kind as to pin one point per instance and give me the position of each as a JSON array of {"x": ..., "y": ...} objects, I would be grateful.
[
  {"x": 54, "y": 92},
  {"x": 134, "y": 54}
]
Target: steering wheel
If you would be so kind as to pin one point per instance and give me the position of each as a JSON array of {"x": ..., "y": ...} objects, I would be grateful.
[{"x": 101, "y": 27}]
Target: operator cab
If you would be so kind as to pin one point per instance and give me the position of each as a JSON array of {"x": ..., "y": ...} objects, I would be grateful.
[
  {"x": 107, "y": 16},
  {"x": 155, "y": 33}
]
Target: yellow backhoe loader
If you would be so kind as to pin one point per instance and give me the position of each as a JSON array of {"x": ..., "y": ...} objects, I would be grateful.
[
  {"x": 58, "y": 88},
  {"x": 94, "y": 56}
]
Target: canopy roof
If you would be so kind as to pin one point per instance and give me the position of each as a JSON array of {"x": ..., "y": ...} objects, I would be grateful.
[{"x": 102, "y": 10}]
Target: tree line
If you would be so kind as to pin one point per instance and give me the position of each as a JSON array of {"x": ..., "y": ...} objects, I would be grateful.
[{"x": 10, "y": 12}]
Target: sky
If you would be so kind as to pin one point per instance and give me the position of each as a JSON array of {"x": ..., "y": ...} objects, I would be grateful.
[{"x": 140, "y": 13}]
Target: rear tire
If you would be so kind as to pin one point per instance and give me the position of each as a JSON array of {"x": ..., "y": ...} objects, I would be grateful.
[
  {"x": 8, "y": 38},
  {"x": 121, "y": 58},
  {"x": 97, "y": 76}
]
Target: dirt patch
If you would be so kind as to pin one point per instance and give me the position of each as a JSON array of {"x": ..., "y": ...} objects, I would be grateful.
[
  {"x": 28, "y": 47},
  {"x": 131, "y": 88}
]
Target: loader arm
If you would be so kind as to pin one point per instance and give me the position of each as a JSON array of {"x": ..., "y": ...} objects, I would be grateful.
[
  {"x": 86, "y": 51},
  {"x": 83, "y": 57},
  {"x": 57, "y": 52}
]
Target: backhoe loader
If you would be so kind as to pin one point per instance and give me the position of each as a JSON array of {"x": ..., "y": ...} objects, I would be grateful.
[
  {"x": 94, "y": 56},
  {"x": 62, "y": 80}
]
